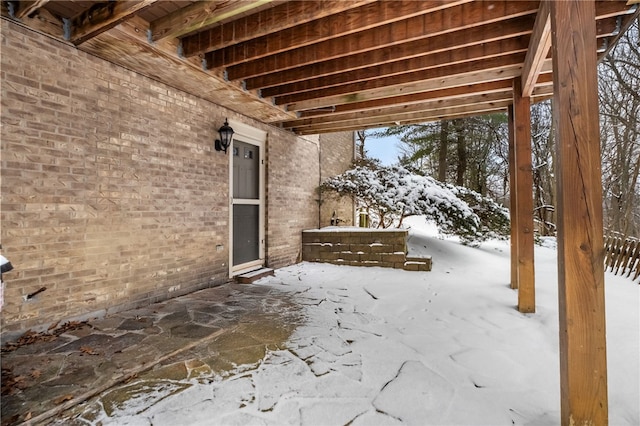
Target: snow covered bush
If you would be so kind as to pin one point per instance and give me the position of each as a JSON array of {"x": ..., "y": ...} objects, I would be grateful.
[
  {"x": 494, "y": 218},
  {"x": 389, "y": 194}
]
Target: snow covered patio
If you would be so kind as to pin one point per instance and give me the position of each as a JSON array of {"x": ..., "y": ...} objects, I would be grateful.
[{"x": 383, "y": 346}]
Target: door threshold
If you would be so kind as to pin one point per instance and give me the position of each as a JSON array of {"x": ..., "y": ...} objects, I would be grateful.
[{"x": 254, "y": 275}]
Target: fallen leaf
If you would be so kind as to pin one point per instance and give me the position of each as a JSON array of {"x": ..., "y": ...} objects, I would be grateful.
[
  {"x": 19, "y": 382},
  {"x": 59, "y": 400},
  {"x": 27, "y": 416},
  {"x": 87, "y": 350}
]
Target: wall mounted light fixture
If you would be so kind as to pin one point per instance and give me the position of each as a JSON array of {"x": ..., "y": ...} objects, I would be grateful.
[{"x": 226, "y": 134}]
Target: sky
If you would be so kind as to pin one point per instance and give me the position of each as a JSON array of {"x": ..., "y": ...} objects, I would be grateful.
[
  {"x": 385, "y": 149},
  {"x": 383, "y": 346}
]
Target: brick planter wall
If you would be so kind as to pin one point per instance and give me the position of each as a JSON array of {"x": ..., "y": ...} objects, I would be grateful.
[{"x": 361, "y": 247}]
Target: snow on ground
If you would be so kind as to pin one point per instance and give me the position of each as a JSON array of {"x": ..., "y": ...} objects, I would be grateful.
[{"x": 390, "y": 347}]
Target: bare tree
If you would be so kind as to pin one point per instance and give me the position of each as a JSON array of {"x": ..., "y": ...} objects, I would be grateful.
[
  {"x": 442, "y": 151},
  {"x": 619, "y": 81},
  {"x": 479, "y": 155},
  {"x": 543, "y": 158}
]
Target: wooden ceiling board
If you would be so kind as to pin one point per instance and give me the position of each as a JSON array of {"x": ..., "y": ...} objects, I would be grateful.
[
  {"x": 164, "y": 8},
  {"x": 67, "y": 9},
  {"x": 353, "y": 21},
  {"x": 430, "y": 45},
  {"x": 282, "y": 16},
  {"x": 441, "y": 21},
  {"x": 326, "y": 65}
]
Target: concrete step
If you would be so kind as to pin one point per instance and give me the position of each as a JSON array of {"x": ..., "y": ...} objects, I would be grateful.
[
  {"x": 417, "y": 263},
  {"x": 251, "y": 276}
]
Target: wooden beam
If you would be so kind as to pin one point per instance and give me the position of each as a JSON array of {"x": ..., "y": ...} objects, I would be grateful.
[
  {"x": 449, "y": 20},
  {"x": 419, "y": 63},
  {"x": 430, "y": 61},
  {"x": 273, "y": 20},
  {"x": 199, "y": 16},
  {"x": 539, "y": 46},
  {"x": 366, "y": 18},
  {"x": 583, "y": 359},
  {"x": 421, "y": 120},
  {"x": 101, "y": 17},
  {"x": 414, "y": 98},
  {"x": 515, "y": 27},
  {"x": 402, "y": 112},
  {"x": 26, "y": 8},
  {"x": 543, "y": 89},
  {"x": 524, "y": 199},
  {"x": 391, "y": 120},
  {"x": 450, "y": 76},
  {"x": 513, "y": 200}
]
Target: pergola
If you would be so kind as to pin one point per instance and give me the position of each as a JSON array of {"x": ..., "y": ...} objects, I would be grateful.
[{"x": 316, "y": 66}]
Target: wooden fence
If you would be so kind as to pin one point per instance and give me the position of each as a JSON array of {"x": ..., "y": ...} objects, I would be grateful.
[{"x": 623, "y": 256}]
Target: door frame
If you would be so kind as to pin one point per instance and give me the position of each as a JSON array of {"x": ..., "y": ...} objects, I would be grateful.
[{"x": 257, "y": 137}]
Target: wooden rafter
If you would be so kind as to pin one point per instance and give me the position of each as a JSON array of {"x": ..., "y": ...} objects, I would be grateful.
[
  {"x": 372, "y": 15},
  {"x": 26, "y": 8},
  {"x": 395, "y": 73},
  {"x": 539, "y": 46},
  {"x": 397, "y": 112},
  {"x": 308, "y": 64},
  {"x": 458, "y": 96},
  {"x": 199, "y": 16},
  {"x": 431, "y": 45},
  {"x": 410, "y": 99},
  {"x": 278, "y": 18},
  {"x": 450, "y": 76},
  {"x": 462, "y": 39},
  {"x": 398, "y": 68},
  {"x": 458, "y": 17},
  {"x": 100, "y": 18},
  {"x": 415, "y": 112},
  {"x": 438, "y": 114}
]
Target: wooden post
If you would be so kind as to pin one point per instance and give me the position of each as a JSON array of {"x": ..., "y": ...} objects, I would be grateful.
[
  {"x": 583, "y": 361},
  {"x": 524, "y": 208},
  {"x": 513, "y": 201}
]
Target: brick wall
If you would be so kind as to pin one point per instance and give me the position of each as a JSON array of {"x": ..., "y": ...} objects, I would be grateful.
[
  {"x": 337, "y": 152},
  {"x": 292, "y": 179},
  {"x": 112, "y": 194}
]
